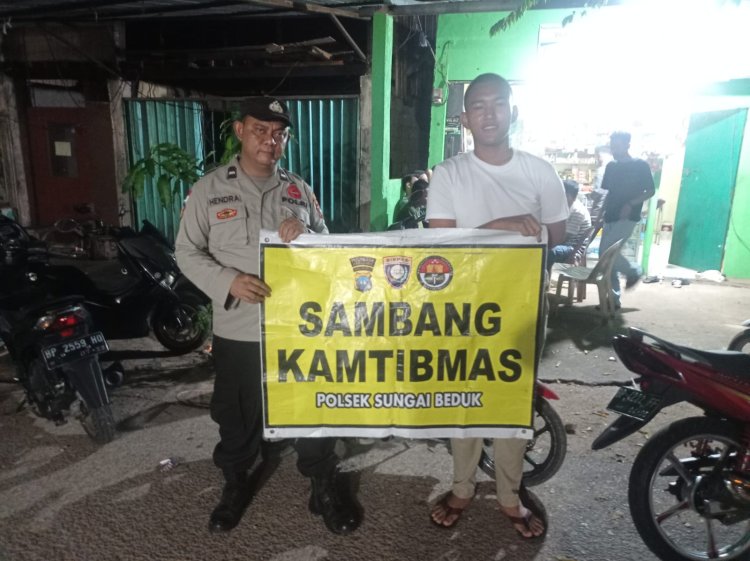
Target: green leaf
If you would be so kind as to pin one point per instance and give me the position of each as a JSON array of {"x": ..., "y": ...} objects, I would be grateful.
[
  {"x": 167, "y": 166},
  {"x": 127, "y": 183},
  {"x": 139, "y": 178},
  {"x": 514, "y": 16},
  {"x": 170, "y": 168},
  {"x": 164, "y": 188}
]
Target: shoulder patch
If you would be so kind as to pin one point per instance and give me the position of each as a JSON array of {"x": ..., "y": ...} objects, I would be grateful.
[{"x": 232, "y": 172}]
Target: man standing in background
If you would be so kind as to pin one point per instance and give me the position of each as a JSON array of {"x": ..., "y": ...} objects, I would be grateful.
[{"x": 628, "y": 182}]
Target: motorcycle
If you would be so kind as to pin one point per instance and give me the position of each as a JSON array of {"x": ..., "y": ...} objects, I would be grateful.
[
  {"x": 148, "y": 293},
  {"x": 51, "y": 341},
  {"x": 741, "y": 341},
  {"x": 545, "y": 452},
  {"x": 689, "y": 486},
  {"x": 155, "y": 295}
]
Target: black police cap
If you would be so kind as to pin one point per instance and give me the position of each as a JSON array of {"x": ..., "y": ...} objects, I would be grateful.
[{"x": 265, "y": 109}]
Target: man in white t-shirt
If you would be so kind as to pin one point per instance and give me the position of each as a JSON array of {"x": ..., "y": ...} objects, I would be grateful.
[{"x": 497, "y": 187}]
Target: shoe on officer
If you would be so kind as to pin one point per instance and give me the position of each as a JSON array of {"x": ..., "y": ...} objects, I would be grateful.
[
  {"x": 235, "y": 497},
  {"x": 332, "y": 500}
]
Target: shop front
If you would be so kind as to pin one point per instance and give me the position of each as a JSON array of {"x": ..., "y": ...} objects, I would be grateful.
[{"x": 684, "y": 106}]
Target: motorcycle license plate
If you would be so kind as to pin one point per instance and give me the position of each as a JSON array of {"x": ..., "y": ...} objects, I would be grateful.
[
  {"x": 74, "y": 349},
  {"x": 634, "y": 403}
]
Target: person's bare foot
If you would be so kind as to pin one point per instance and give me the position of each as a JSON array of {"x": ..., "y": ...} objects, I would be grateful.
[
  {"x": 525, "y": 522},
  {"x": 448, "y": 510}
]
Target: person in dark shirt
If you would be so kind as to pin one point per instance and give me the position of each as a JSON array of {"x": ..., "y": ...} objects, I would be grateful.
[
  {"x": 628, "y": 182},
  {"x": 413, "y": 215}
]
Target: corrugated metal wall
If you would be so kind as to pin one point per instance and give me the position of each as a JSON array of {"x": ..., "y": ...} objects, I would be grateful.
[
  {"x": 151, "y": 122},
  {"x": 324, "y": 150}
]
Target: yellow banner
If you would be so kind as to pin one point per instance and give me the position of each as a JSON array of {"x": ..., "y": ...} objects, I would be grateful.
[{"x": 413, "y": 340}]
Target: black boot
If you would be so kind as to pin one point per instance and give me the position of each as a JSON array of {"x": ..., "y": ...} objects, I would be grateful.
[
  {"x": 333, "y": 502},
  {"x": 234, "y": 500}
]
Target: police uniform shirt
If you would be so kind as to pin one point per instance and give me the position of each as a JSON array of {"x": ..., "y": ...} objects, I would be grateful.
[{"x": 219, "y": 236}]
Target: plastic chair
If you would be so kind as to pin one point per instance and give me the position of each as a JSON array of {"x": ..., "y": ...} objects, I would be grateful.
[
  {"x": 600, "y": 275},
  {"x": 578, "y": 257}
]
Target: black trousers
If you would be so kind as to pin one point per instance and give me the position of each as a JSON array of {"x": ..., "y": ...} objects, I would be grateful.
[{"x": 237, "y": 407}]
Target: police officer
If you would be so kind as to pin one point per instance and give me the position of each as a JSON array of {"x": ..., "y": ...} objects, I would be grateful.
[{"x": 217, "y": 249}]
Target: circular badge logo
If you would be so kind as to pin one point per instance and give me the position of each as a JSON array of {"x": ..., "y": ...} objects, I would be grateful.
[
  {"x": 435, "y": 272},
  {"x": 293, "y": 191}
]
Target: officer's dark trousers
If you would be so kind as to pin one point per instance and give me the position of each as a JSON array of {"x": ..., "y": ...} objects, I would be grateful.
[{"x": 237, "y": 407}]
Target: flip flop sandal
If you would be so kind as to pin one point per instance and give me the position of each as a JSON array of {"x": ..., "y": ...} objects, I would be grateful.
[
  {"x": 449, "y": 511},
  {"x": 535, "y": 507},
  {"x": 525, "y": 521}
]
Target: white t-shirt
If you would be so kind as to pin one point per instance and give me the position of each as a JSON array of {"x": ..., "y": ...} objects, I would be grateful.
[
  {"x": 473, "y": 192},
  {"x": 578, "y": 224}
]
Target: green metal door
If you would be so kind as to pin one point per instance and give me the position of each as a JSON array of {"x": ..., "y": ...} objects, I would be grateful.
[{"x": 712, "y": 151}]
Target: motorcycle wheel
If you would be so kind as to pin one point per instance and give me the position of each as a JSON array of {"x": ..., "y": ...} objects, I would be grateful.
[
  {"x": 178, "y": 326},
  {"x": 741, "y": 342},
  {"x": 99, "y": 423},
  {"x": 679, "y": 492},
  {"x": 544, "y": 453}
]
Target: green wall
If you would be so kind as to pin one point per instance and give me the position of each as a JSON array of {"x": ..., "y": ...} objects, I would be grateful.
[
  {"x": 380, "y": 145},
  {"x": 737, "y": 245},
  {"x": 717, "y": 97},
  {"x": 736, "y": 93},
  {"x": 465, "y": 50}
]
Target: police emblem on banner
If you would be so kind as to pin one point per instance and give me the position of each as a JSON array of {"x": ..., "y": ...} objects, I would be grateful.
[
  {"x": 397, "y": 270},
  {"x": 435, "y": 272},
  {"x": 362, "y": 267}
]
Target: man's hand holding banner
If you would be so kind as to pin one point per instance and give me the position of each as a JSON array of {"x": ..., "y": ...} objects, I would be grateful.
[{"x": 417, "y": 333}]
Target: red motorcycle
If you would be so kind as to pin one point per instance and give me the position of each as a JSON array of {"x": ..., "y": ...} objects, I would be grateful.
[
  {"x": 741, "y": 341},
  {"x": 689, "y": 487}
]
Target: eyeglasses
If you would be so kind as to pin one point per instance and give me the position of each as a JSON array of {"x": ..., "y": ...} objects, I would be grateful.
[{"x": 278, "y": 135}]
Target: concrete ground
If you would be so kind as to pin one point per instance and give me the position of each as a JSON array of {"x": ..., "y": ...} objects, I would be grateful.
[{"x": 62, "y": 497}]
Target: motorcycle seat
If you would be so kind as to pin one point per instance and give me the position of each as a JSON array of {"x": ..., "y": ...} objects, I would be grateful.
[
  {"x": 111, "y": 282},
  {"x": 732, "y": 363}
]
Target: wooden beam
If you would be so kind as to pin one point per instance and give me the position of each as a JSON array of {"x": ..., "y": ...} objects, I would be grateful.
[
  {"x": 320, "y": 53},
  {"x": 348, "y": 37},
  {"x": 229, "y": 52},
  {"x": 88, "y": 5},
  {"x": 308, "y": 7},
  {"x": 453, "y": 7},
  {"x": 308, "y": 69}
]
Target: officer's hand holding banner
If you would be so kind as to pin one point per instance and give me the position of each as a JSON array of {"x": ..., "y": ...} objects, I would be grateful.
[{"x": 412, "y": 333}]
